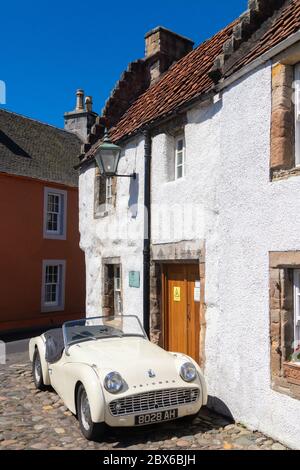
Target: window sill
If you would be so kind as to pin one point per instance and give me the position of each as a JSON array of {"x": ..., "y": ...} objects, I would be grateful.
[
  {"x": 292, "y": 372},
  {"x": 284, "y": 174},
  {"x": 102, "y": 215},
  {"x": 178, "y": 180},
  {"x": 48, "y": 309},
  {"x": 55, "y": 236}
]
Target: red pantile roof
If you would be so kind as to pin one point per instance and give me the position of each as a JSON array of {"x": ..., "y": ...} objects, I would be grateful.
[
  {"x": 188, "y": 78},
  {"x": 285, "y": 25}
]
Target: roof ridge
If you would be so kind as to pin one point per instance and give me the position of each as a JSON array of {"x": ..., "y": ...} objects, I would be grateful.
[{"x": 8, "y": 111}]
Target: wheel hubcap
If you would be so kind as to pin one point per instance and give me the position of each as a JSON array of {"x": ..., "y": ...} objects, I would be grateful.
[{"x": 85, "y": 411}]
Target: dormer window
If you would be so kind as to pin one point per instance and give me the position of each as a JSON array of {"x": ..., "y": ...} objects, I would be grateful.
[{"x": 180, "y": 157}]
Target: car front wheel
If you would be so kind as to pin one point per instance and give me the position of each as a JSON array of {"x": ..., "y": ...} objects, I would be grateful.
[{"x": 91, "y": 431}]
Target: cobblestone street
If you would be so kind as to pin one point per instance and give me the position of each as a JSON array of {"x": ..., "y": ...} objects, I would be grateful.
[{"x": 30, "y": 419}]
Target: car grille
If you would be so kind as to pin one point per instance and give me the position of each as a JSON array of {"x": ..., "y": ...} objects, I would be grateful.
[{"x": 152, "y": 401}]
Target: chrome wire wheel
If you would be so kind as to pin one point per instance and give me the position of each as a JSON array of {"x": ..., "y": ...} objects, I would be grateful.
[
  {"x": 91, "y": 431},
  {"x": 85, "y": 411}
]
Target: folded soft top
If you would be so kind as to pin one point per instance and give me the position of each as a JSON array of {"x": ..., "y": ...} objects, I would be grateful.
[{"x": 54, "y": 345}]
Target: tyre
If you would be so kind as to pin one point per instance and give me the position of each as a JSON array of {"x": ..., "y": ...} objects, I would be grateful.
[
  {"x": 91, "y": 431},
  {"x": 37, "y": 372}
]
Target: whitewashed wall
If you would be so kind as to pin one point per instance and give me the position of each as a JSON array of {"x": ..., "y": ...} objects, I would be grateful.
[
  {"x": 116, "y": 235},
  {"x": 256, "y": 217},
  {"x": 188, "y": 206}
]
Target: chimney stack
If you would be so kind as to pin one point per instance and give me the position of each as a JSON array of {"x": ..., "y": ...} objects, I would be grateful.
[
  {"x": 81, "y": 120},
  {"x": 162, "y": 48}
]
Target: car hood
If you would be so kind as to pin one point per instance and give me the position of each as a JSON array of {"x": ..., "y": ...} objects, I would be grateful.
[{"x": 132, "y": 357}]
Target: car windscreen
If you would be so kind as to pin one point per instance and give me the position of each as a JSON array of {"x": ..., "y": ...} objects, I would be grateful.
[{"x": 89, "y": 329}]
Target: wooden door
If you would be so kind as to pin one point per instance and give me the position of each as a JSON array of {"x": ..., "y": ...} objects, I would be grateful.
[{"x": 182, "y": 309}]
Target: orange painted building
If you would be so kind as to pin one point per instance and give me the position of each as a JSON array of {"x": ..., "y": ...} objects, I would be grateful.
[{"x": 42, "y": 277}]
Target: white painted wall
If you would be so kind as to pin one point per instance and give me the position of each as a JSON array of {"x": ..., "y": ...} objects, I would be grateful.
[
  {"x": 185, "y": 209},
  {"x": 117, "y": 235},
  {"x": 256, "y": 217}
]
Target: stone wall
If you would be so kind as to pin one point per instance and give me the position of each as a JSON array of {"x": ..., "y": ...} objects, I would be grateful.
[{"x": 282, "y": 122}]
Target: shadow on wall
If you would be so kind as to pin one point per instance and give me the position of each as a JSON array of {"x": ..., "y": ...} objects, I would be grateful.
[
  {"x": 134, "y": 196},
  {"x": 206, "y": 112},
  {"x": 218, "y": 406}
]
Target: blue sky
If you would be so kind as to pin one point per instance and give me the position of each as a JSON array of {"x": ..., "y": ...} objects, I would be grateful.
[{"x": 51, "y": 48}]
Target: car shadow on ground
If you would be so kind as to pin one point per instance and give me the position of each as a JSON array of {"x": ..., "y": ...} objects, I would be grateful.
[{"x": 183, "y": 428}]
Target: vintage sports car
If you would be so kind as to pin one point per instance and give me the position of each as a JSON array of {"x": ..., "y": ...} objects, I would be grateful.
[{"x": 107, "y": 372}]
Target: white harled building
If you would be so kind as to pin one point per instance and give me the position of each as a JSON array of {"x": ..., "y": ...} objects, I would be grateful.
[{"x": 218, "y": 127}]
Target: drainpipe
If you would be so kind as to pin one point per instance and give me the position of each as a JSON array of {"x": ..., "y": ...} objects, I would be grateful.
[{"x": 147, "y": 229}]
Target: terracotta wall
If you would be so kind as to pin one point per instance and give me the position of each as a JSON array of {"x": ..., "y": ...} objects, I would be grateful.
[{"x": 23, "y": 249}]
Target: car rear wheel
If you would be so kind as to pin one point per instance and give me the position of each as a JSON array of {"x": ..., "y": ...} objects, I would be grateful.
[
  {"x": 37, "y": 371},
  {"x": 91, "y": 431}
]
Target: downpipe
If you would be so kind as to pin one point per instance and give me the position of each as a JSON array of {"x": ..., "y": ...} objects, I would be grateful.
[{"x": 147, "y": 229}]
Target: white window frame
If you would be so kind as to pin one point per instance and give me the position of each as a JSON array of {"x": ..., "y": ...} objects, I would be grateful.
[
  {"x": 108, "y": 193},
  {"x": 59, "y": 305},
  {"x": 60, "y": 233},
  {"x": 297, "y": 113},
  {"x": 177, "y": 152},
  {"x": 296, "y": 306},
  {"x": 117, "y": 290}
]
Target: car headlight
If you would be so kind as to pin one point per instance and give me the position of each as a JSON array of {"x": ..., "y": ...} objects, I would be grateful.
[
  {"x": 188, "y": 372},
  {"x": 113, "y": 382}
]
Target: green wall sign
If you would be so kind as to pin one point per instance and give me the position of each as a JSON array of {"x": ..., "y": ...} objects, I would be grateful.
[{"x": 134, "y": 279}]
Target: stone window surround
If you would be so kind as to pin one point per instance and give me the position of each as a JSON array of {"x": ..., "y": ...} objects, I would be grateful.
[
  {"x": 285, "y": 376},
  {"x": 282, "y": 152},
  {"x": 167, "y": 253},
  {"x": 106, "y": 300},
  {"x": 100, "y": 210}
]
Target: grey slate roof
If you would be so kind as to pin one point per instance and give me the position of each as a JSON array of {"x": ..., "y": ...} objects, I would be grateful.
[{"x": 32, "y": 148}]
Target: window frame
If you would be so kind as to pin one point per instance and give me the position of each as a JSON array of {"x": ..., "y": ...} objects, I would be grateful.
[
  {"x": 59, "y": 305},
  {"x": 296, "y": 284},
  {"x": 183, "y": 162},
  {"x": 108, "y": 193},
  {"x": 60, "y": 233},
  {"x": 118, "y": 290},
  {"x": 297, "y": 114}
]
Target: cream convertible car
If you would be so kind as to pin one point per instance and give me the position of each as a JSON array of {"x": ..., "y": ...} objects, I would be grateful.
[{"x": 107, "y": 372}]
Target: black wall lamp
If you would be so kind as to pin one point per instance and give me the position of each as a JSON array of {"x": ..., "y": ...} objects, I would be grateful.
[{"x": 107, "y": 157}]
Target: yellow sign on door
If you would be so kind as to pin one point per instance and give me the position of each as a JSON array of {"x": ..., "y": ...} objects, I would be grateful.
[{"x": 177, "y": 294}]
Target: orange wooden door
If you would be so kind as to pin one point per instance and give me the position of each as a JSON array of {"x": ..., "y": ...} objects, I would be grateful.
[{"x": 182, "y": 309}]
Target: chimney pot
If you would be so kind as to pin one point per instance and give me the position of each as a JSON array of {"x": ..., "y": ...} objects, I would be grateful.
[
  {"x": 79, "y": 100},
  {"x": 89, "y": 104}
]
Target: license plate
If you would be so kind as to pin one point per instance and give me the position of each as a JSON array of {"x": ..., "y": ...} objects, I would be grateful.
[{"x": 156, "y": 417}]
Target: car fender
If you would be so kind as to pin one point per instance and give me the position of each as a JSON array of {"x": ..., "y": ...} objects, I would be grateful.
[
  {"x": 39, "y": 343},
  {"x": 87, "y": 375}
]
